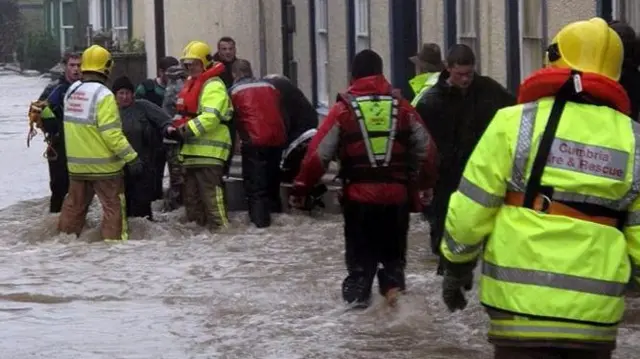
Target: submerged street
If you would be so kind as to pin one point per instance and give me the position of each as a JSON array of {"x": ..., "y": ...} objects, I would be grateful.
[{"x": 176, "y": 291}]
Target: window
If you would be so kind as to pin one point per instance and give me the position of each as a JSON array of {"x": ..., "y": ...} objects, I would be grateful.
[
  {"x": 531, "y": 22},
  {"x": 468, "y": 27},
  {"x": 627, "y": 11},
  {"x": 322, "y": 52},
  {"x": 52, "y": 19},
  {"x": 120, "y": 21},
  {"x": 67, "y": 19},
  {"x": 362, "y": 25}
]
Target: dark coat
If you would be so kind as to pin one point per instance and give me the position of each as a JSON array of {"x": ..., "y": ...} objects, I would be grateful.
[
  {"x": 227, "y": 76},
  {"x": 299, "y": 114},
  {"x": 630, "y": 80},
  {"x": 456, "y": 121}
]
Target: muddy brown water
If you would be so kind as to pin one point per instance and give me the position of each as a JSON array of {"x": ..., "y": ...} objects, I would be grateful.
[{"x": 175, "y": 291}]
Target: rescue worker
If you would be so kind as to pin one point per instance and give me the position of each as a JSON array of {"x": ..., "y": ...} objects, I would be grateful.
[
  {"x": 261, "y": 129},
  {"x": 153, "y": 90},
  {"x": 553, "y": 188},
  {"x": 97, "y": 149},
  {"x": 383, "y": 147},
  {"x": 299, "y": 114},
  {"x": 176, "y": 76},
  {"x": 143, "y": 122},
  {"x": 206, "y": 110},
  {"x": 428, "y": 66},
  {"x": 53, "y": 129}
]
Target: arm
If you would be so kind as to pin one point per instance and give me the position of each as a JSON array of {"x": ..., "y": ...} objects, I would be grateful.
[
  {"x": 214, "y": 107},
  {"x": 631, "y": 232},
  {"x": 110, "y": 128},
  {"x": 473, "y": 207},
  {"x": 322, "y": 149},
  {"x": 427, "y": 166},
  {"x": 158, "y": 118},
  {"x": 47, "y": 90}
]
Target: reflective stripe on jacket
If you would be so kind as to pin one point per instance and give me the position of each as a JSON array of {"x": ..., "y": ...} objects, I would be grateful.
[
  {"x": 537, "y": 265},
  {"x": 431, "y": 79},
  {"x": 95, "y": 144},
  {"x": 208, "y": 140}
]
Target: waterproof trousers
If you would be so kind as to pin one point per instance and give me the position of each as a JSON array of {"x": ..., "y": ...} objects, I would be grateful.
[
  {"x": 376, "y": 243},
  {"x": 110, "y": 192},
  {"x": 58, "y": 177},
  {"x": 204, "y": 196},
  {"x": 139, "y": 193},
  {"x": 176, "y": 178},
  {"x": 160, "y": 160},
  {"x": 261, "y": 175},
  {"x": 505, "y": 352}
]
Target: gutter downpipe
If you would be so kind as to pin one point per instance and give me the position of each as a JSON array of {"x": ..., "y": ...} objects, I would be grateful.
[{"x": 262, "y": 28}]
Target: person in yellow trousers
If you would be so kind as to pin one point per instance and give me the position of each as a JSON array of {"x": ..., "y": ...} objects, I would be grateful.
[
  {"x": 204, "y": 113},
  {"x": 550, "y": 199},
  {"x": 97, "y": 149}
]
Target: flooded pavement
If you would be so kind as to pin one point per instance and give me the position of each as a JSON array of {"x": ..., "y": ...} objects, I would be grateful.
[{"x": 175, "y": 291}]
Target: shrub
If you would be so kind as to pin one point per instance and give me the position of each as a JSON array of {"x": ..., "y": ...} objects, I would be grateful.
[{"x": 39, "y": 51}]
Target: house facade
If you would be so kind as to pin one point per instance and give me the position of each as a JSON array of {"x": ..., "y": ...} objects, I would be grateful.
[{"x": 313, "y": 41}]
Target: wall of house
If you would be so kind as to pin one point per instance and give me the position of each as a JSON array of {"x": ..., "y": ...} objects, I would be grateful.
[{"x": 138, "y": 16}]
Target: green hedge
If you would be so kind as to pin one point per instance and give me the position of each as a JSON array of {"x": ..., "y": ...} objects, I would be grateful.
[{"x": 38, "y": 51}]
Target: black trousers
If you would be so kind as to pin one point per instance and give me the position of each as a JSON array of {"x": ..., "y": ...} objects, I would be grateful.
[
  {"x": 58, "y": 179},
  {"x": 504, "y": 352},
  {"x": 375, "y": 234},
  {"x": 160, "y": 160},
  {"x": 261, "y": 175},
  {"x": 139, "y": 193}
]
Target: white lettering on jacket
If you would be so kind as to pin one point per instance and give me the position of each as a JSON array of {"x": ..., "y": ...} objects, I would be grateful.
[{"x": 588, "y": 159}]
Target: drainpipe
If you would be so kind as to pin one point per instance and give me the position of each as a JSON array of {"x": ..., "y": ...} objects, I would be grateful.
[
  {"x": 158, "y": 9},
  {"x": 262, "y": 38}
]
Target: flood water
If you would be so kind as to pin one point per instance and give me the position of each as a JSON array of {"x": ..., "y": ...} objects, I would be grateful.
[{"x": 175, "y": 291}]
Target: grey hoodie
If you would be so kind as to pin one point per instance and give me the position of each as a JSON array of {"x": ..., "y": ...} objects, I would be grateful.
[{"x": 176, "y": 76}]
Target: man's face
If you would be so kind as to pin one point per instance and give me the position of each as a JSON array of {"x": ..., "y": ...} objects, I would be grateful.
[
  {"x": 227, "y": 50},
  {"x": 124, "y": 97},
  {"x": 461, "y": 76},
  {"x": 194, "y": 67},
  {"x": 72, "y": 69},
  {"x": 162, "y": 74}
]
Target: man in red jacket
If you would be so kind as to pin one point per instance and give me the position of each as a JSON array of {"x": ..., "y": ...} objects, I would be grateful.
[
  {"x": 385, "y": 152},
  {"x": 262, "y": 131}
]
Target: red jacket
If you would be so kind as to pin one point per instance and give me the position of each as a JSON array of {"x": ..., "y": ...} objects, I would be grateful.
[
  {"x": 256, "y": 106},
  {"x": 326, "y": 145}
]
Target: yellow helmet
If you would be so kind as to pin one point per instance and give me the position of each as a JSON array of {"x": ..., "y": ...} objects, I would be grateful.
[
  {"x": 198, "y": 50},
  {"x": 96, "y": 59},
  {"x": 587, "y": 46}
]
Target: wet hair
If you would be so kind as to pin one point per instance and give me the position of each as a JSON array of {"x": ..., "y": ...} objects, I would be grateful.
[
  {"x": 227, "y": 39},
  {"x": 366, "y": 63},
  {"x": 460, "y": 54},
  {"x": 70, "y": 55},
  {"x": 242, "y": 68},
  {"x": 166, "y": 62}
]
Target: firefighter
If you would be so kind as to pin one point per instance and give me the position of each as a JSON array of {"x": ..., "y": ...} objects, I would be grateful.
[
  {"x": 205, "y": 110},
  {"x": 383, "y": 146},
  {"x": 551, "y": 192},
  {"x": 97, "y": 149}
]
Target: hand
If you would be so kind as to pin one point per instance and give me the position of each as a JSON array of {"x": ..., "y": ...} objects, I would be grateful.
[
  {"x": 452, "y": 286},
  {"x": 426, "y": 197},
  {"x": 136, "y": 167},
  {"x": 396, "y": 92},
  {"x": 173, "y": 133}
]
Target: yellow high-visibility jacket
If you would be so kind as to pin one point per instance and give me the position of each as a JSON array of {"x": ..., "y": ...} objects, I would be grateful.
[
  {"x": 95, "y": 144},
  {"x": 550, "y": 277},
  {"x": 208, "y": 139},
  {"x": 421, "y": 84}
]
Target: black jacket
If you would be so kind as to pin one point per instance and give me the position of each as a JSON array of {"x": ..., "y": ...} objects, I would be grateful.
[
  {"x": 456, "y": 121},
  {"x": 227, "y": 76},
  {"x": 298, "y": 112},
  {"x": 54, "y": 93},
  {"x": 630, "y": 80}
]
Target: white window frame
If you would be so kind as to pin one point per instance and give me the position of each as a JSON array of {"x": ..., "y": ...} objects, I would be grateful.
[
  {"x": 532, "y": 45},
  {"x": 627, "y": 11},
  {"x": 362, "y": 19},
  {"x": 120, "y": 21},
  {"x": 469, "y": 34},
  {"x": 322, "y": 52},
  {"x": 64, "y": 28}
]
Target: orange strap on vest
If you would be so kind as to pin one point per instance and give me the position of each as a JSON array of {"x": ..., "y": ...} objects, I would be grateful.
[{"x": 544, "y": 204}]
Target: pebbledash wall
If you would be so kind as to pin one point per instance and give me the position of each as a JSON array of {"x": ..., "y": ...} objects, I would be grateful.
[{"x": 313, "y": 41}]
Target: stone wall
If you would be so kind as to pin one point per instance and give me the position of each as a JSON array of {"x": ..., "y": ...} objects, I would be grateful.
[{"x": 133, "y": 65}]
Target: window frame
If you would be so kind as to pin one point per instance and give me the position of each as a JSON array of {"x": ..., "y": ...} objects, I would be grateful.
[
  {"x": 362, "y": 38},
  {"x": 321, "y": 33},
  {"x": 117, "y": 19},
  {"x": 473, "y": 35},
  {"x": 63, "y": 27},
  {"x": 526, "y": 39}
]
